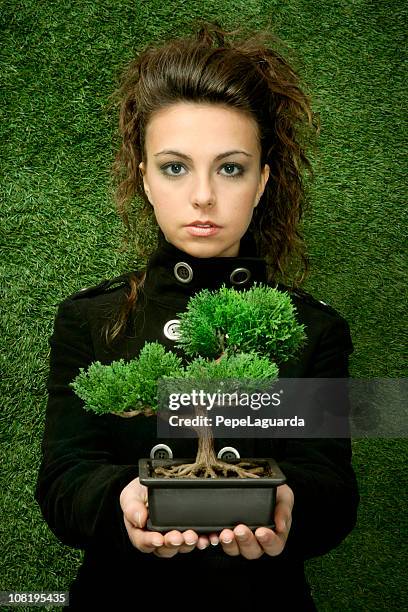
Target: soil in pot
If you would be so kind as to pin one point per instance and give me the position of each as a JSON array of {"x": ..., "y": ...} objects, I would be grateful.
[{"x": 217, "y": 469}]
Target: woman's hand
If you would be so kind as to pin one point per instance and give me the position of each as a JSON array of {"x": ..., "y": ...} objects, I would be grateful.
[
  {"x": 133, "y": 501},
  {"x": 253, "y": 545}
]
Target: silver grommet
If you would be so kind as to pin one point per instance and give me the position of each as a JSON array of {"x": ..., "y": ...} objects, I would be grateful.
[
  {"x": 161, "y": 451},
  {"x": 171, "y": 329},
  {"x": 239, "y": 276},
  {"x": 183, "y": 272},
  {"x": 227, "y": 453}
]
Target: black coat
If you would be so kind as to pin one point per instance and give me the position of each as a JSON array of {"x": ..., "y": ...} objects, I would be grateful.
[{"x": 88, "y": 459}]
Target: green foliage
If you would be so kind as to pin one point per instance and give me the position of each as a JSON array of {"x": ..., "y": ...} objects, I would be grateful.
[
  {"x": 243, "y": 365},
  {"x": 104, "y": 388},
  {"x": 249, "y": 329},
  {"x": 260, "y": 319},
  {"x": 200, "y": 323},
  {"x": 121, "y": 385},
  {"x": 154, "y": 362},
  {"x": 275, "y": 330},
  {"x": 244, "y": 372}
]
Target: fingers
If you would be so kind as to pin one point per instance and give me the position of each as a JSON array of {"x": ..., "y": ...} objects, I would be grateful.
[
  {"x": 228, "y": 543},
  {"x": 133, "y": 501},
  {"x": 172, "y": 542},
  {"x": 273, "y": 542},
  {"x": 283, "y": 512},
  {"x": 203, "y": 542},
  {"x": 283, "y": 508},
  {"x": 165, "y": 546},
  {"x": 190, "y": 541},
  {"x": 249, "y": 546},
  {"x": 177, "y": 542},
  {"x": 145, "y": 541},
  {"x": 242, "y": 541}
]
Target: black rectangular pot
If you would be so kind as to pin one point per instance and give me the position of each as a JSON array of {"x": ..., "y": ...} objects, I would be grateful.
[{"x": 209, "y": 504}]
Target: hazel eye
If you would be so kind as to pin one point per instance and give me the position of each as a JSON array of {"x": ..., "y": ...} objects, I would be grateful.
[
  {"x": 173, "y": 165},
  {"x": 177, "y": 165},
  {"x": 236, "y": 167}
]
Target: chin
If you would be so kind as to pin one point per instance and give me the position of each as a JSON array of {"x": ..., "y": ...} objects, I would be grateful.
[{"x": 207, "y": 250}]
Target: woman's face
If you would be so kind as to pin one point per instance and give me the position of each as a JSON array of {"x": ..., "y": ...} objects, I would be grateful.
[{"x": 197, "y": 181}]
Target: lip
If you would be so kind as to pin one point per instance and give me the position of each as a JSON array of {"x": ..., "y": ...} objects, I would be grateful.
[
  {"x": 198, "y": 222},
  {"x": 195, "y": 230}
]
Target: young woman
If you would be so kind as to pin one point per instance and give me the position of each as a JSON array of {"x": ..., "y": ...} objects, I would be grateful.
[{"x": 211, "y": 144}]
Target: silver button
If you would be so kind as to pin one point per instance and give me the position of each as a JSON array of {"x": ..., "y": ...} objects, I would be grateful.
[
  {"x": 227, "y": 453},
  {"x": 171, "y": 329},
  {"x": 239, "y": 276},
  {"x": 183, "y": 272},
  {"x": 161, "y": 451}
]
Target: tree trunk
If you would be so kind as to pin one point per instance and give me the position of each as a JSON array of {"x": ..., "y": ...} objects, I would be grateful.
[{"x": 205, "y": 452}]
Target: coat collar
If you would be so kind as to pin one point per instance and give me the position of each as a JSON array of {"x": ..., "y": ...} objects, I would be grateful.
[{"x": 173, "y": 276}]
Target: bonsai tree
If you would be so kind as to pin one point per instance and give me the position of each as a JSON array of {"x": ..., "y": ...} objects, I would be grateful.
[{"x": 229, "y": 334}]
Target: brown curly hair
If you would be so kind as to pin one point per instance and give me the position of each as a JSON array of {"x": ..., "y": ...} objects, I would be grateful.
[{"x": 249, "y": 75}]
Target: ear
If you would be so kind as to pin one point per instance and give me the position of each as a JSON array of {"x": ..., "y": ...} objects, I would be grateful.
[
  {"x": 264, "y": 179},
  {"x": 145, "y": 183}
]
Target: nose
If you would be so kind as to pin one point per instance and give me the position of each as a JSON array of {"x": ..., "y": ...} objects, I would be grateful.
[
  {"x": 203, "y": 194},
  {"x": 207, "y": 204}
]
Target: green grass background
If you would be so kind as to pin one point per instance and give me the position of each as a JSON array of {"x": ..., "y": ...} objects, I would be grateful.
[{"x": 59, "y": 61}]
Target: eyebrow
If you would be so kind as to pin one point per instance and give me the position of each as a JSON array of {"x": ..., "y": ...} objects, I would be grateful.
[{"x": 184, "y": 156}]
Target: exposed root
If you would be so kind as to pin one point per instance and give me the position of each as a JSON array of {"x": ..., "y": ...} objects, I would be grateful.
[{"x": 211, "y": 470}]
